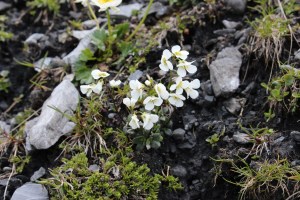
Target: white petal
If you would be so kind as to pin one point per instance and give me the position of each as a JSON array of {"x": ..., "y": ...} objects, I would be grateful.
[
  {"x": 185, "y": 84},
  {"x": 148, "y": 125},
  {"x": 170, "y": 65},
  {"x": 167, "y": 54},
  {"x": 175, "y": 48},
  {"x": 126, "y": 101},
  {"x": 184, "y": 55},
  {"x": 95, "y": 74},
  {"x": 179, "y": 91},
  {"x": 135, "y": 94},
  {"x": 194, "y": 94},
  {"x": 98, "y": 88},
  {"x": 172, "y": 101},
  {"x": 173, "y": 87},
  {"x": 181, "y": 72},
  {"x": 154, "y": 118},
  {"x": 149, "y": 106},
  {"x": 164, "y": 67},
  {"x": 158, "y": 102},
  {"x": 191, "y": 69},
  {"x": 179, "y": 103},
  {"x": 84, "y": 88},
  {"x": 195, "y": 84}
]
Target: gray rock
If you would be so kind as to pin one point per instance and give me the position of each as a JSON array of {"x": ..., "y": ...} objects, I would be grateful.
[
  {"x": 178, "y": 134},
  {"x": 36, "y": 38},
  {"x": 4, "y": 127},
  {"x": 44, "y": 131},
  {"x": 94, "y": 168},
  {"x": 236, "y": 6},
  {"x": 234, "y": 105},
  {"x": 135, "y": 75},
  {"x": 297, "y": 55},
  {"x": 82, "y": 34},
  {"x": 224, "y": 71},
  {"x": 158, "y": 9},
  {"x": 241, "y": 138},
  {"x": 38, "y": 174},
  {"x": 179, "y": 171},
  {"x": 207, "y": 87},
  {"x": 125, "y": 11},
  {"x": 230, "y": 24},
  {"x": 42, "y": 64},
  {"x": 295, "y": 135},
  {"x": 31, "y": 191},
  {"x": 224, "y": 31},
  {"x": 85, "y": 43},
  {"x": 4, "y": 6}
]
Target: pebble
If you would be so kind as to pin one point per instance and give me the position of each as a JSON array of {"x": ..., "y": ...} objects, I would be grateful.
[
  {"x": 179, "y": 171},
  {"x": 241, "y": 138},
  {"x": 178, "y": 134}
]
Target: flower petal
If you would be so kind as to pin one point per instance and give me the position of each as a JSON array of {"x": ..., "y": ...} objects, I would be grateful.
[{"x": 175, "y": 48}]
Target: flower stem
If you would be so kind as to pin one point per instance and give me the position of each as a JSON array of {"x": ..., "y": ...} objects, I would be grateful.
[
  {"x": 93, "y": 14},
  {"x": 108, "y": 22},
  {"x": 141, "y": 22}
]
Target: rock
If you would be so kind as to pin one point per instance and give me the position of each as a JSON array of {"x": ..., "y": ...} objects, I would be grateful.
[
  {"x": 4, "y": 127},
  {"x": 85, "y": 43},
  {"x": 36, "y": 38},
  {"x": 296, "y": 136},
  {"x": 179, "y": 171},
  {"x": 48, "y": 63},
  {"x": 158, "y": 9},
  {"x": 234, "y": 105},
  {"x": 82, "y": 34},
  {"x": 230, "y": 24},
  {"x": 241, "y": 138},
  {"x": 94, "y": 168},
  {"x": 224, "y": 31},
  {"x": 38, "y": 174},
  {"x": 44, "y": 131},
  {"x": 236, "y": 6},
  {"x": 31, "y": 191},
  {"x": 207, "y": 87},
  {"x": 178, "y": 134},
  {"x": 125, "y": 11},
  {"x": 224, "y": 71},
  {"x": 135, "y": 75},
  {"x": 297, "y": 55},
  {"x": 190, "y": 139},
  {"x": 4, "y": 6}
]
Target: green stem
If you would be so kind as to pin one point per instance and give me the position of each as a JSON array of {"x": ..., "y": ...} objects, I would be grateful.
[
  {"x": 108, "y": 22},
  {"x": 141, "y": 22},
  {"x": 93, "y": 14}
]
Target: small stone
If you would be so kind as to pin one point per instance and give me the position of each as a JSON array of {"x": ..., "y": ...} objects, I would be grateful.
[
  {"x": 135, "y": 75},
  {"x": 224, "y": 71},
  {"x": 236, "y": 6},
  {"x": 36, "y": 38},
  {"x": 7, "y": 169},
  {"x": 125, "y": 11},
  {"x": 241, "y": 138},
  {"x": 297, "y": 55},
  {"x": 4, "y": 6},
  {"x": 94, "y": 168},
  {"x": 224, "y": 31},
  {"x": 178, "y": 134},
  {"x": 296, "y": 136},
  {"x": 158, "y": 9},
  {"x": 4, "y": 127},
  {"x": 230, "y": 24},
  {"x": 179, "y": 171},
  {"x": 38, "y": 174},
  {"x": 234, "y": 105},
  {"x": 31, "y": 191}
]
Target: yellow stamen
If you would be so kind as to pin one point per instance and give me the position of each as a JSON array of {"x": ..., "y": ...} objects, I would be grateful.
[{"x": 105, "y": 1}]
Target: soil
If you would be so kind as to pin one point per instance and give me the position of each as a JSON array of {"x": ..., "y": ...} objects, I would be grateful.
[{"x": 192, "y": 159}]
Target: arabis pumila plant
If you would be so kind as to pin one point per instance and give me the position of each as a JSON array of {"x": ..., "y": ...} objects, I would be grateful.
[
  {"x": 96, "y": 87},
  {"x": 146, "y": 101}
]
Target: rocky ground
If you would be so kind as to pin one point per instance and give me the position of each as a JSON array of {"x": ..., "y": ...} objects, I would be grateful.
[{"x": 225, "y": 127}]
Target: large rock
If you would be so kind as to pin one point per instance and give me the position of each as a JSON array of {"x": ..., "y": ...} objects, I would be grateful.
[
  {"x": 31, "y": 191},
  {"x": 44, "y": 131},
  {"x": 224, "y": 71},
  {"x": 236, "y": 6}
]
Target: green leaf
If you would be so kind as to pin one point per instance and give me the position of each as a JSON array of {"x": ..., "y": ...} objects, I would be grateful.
[
  {"x": 275, "y": 93},
  {"x": 264, "y": 85},
  {"x": 296, "y": 94},
  {"x": 155, "y": 144},
  {"x": 98, "y": 38},
  {"x": 288, "y": 79},
  {"x": 83, "y": 73},
  {"x": 126, "y": 48},
  {"x": 121, "y": 29},
  {"x": 86, "y": 55}
]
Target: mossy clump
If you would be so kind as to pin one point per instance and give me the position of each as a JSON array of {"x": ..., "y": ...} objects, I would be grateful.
[{"x": 118, "y": 178}]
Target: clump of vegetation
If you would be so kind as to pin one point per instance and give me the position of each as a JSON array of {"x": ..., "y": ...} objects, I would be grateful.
[
  {"x": 3, "y": 34},
  {"x": 264, "y": 179},
  {"x": 50, "y": 5},
  {"x": 4, "y": 81},
  {"x": 284, "y": 89},
  {"x": 118, "y": 178},
  {"x": 272, "y": 28}
]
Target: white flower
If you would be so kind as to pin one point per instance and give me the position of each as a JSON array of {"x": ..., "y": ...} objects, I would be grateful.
[
  {"x": 149, "y": 120},
  {"x": 190, "y": 90},
  {"x": 130, "y": 103},
  {"x": 179, "y": 54},
  {"x": 151, "y": 101},
  {"x": 136, "y": 89},
  {"x": 105, "y": 4},
  {"x": 179, "y": 85},
  {"x": 165, "y": 64},
  {"x": 83, "y": 2},
  {"x": 114, "y": 83},
  {"x": 96, "y": 73},
  {"x": 161, "y": 91},
  {"x": 134, "y": 122},
  {"x": 176, "y": 100},
  {"x": 147, "y": 82},
  {"x": 88, "y": 89},
  {"x": 184, "y": 66}
]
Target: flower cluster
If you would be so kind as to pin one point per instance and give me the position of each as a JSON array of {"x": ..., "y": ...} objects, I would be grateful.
[
  {"x": 102, "y": 4},
  {"x": 94, "y": 87},
  {"x": 145, "y": 100}
]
